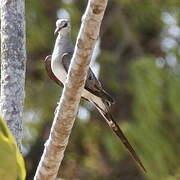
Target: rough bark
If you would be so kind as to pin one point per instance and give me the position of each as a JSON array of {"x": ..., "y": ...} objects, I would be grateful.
[
  {"x": 69, "y": 101},
  {"x": 13, "y": 63}
]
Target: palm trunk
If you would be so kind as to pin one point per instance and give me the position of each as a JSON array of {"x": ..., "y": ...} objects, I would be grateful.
[{"x": 13, "y": 64}]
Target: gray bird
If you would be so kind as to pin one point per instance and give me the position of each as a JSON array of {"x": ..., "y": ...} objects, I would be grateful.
[{"x": 57, "y": 67}]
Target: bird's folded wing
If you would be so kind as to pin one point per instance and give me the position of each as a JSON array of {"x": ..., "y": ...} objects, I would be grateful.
[
  {"x": 92, "y": 84},
  {"x": 47, "y": 62}
]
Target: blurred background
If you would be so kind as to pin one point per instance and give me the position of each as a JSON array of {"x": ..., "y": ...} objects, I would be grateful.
[{"x": 137, "y": 60}]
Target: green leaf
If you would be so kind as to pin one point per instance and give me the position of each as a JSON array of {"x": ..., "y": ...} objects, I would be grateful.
[{"x": 12, "y": 163}]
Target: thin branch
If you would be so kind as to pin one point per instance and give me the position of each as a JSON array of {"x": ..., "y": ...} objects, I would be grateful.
[{"x": 69, "y": 102}]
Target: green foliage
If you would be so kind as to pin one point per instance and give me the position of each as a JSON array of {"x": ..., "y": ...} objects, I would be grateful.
[
  {"x": 12, "y": 163},
  {"x": 156, "y": 125}
]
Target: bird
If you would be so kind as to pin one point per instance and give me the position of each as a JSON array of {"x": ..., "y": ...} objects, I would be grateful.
[{"x": 57, "y": 66}]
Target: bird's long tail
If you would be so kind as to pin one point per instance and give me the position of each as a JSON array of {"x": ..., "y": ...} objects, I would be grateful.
[{"x": 116, "y": 129}]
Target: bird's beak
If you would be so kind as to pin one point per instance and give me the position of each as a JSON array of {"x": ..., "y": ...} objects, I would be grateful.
[{"x": 56, "y": 30}]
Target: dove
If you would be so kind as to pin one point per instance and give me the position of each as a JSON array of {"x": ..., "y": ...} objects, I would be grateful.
[{"x": 57, "y": 66}]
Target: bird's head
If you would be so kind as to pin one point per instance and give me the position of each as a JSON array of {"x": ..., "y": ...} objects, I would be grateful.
[{"x": 62, "y": 26}]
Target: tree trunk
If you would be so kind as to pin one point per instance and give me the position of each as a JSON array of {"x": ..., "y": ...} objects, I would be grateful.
[
  {"x": 13, "y": 64},
  {"x": 68, "y": 106}
]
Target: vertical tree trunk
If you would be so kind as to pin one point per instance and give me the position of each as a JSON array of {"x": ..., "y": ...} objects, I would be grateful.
[
  {"x": 0, "y": 56},
  {"x": 67, "y": 109},
  {"x": 13, "y": 64}
]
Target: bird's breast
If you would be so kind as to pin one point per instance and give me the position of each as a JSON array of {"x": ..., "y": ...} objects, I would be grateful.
[{"x": 58, "y": 70}]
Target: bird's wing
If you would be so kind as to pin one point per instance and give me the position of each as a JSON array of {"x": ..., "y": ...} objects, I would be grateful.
[
  {"x": 47, "y": 62},
  {"x": 92, "y": 84}
]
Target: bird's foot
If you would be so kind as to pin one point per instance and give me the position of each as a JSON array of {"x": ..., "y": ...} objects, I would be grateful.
[{"x": 56, "y": 108}]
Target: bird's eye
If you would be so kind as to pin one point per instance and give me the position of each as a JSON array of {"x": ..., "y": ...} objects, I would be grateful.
[{"x": 65, "y": 25}]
